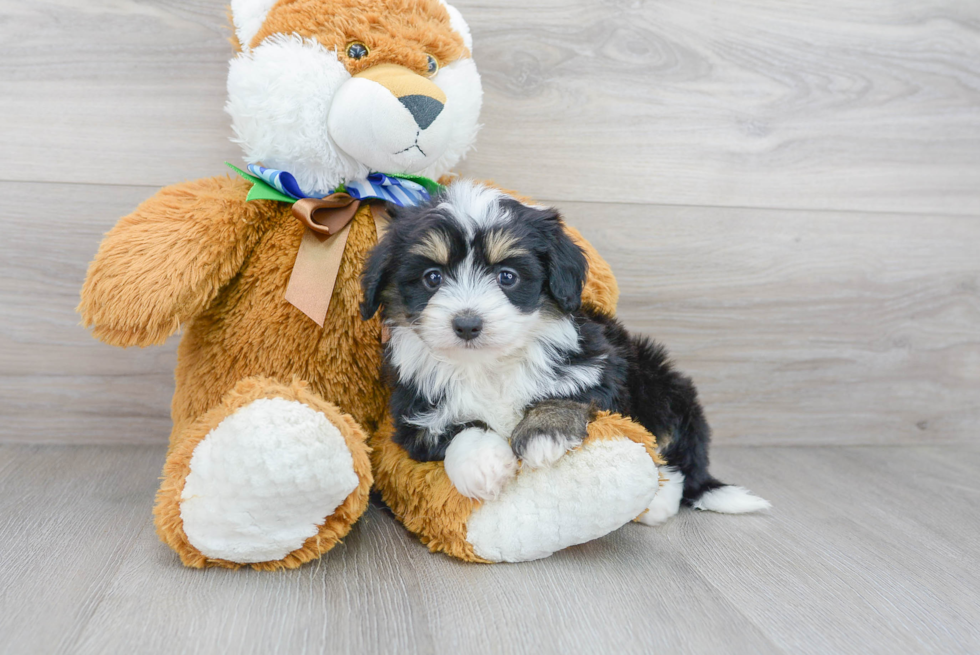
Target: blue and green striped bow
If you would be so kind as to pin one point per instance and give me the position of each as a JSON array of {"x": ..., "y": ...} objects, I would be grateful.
[{"x": 400, "y": 190}]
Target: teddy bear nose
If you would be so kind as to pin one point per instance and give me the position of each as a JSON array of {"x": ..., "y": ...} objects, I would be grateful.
[
  {"x": 467, "y": 326},
  {"x": 423, "y": 108}
]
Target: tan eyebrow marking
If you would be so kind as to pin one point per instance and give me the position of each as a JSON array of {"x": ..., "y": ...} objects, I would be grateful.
[
  {"x": 433, "y": 246},
  {"x": 499, "y": 245}
]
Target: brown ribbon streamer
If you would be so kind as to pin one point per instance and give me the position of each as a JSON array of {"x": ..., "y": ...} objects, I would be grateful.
[
  {"x": 318, "y": 259},
  {"x": 328, "y": 222}
]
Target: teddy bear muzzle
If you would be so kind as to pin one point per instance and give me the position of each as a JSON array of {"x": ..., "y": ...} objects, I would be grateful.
[
  {"x": 388, "y": 117},
  {"x": 423, "y": 99}
]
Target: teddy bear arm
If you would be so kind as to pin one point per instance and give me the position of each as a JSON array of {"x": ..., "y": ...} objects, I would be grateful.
[
  {"x": 601, "y": 289},
  {"x": 163, "y": 264}
]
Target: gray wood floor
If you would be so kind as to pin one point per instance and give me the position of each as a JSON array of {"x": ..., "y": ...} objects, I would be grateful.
[
  {"x": 868, "y": 549},
  {"x": 789, "y": 194}
]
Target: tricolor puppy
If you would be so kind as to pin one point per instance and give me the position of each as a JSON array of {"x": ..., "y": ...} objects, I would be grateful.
[{"x": 494, "y": 360}]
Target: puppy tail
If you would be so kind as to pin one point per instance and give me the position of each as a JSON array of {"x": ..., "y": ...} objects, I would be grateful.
[
  {"x": 729, "y": 499},
  {"x": 666, "y": 403},
  {"x": 689, "y": 453}
]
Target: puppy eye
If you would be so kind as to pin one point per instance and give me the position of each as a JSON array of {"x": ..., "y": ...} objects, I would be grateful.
[
  {"x": 507, "y": 278},
  {"x": 357, "y": 50},
  {"x": 432, "y": 278},
  {"x": 433, "y": 66}
]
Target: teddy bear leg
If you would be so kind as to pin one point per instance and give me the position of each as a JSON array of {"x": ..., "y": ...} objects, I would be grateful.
[
  {"x": 586, "y": 494},
  {"x": 272, "y": 477},
  {"x": 589, "y": 492}
]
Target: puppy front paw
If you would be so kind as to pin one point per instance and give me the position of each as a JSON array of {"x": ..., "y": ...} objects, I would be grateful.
[
  {"x": 543, "y": 450},
  {"x": 479, "y": 463},
  {"x": 549, "y": 429}
]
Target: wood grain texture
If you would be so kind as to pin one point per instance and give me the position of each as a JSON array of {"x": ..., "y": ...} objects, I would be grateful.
[
  {"x": 68, "y": 517},
  {"x": 797, "y": 104},
  {"x": 806, "y": 327},
  {"x": 866, "y": 550},
  {"x": 57, "y": 383},
  {"x": 798, "y": 327}
]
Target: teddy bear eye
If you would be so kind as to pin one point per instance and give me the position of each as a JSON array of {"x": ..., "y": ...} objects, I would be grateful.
[
  {"x": 357, "y": 50},
  {"x": 433, "y": 65}
]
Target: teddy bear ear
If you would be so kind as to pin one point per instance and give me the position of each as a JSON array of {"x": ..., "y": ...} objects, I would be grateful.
[
  {"x": 248, "y": 16},
  {"x": 457, "y": 23}
]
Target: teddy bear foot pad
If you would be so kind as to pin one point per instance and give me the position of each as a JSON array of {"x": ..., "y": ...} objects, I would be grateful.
[
  {"x": 577, "y": 500},
  {"x": 263, "y": 480}
]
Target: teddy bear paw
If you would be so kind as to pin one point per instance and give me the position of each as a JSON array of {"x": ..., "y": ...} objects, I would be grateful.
[
  {"x": 667, "y": 502},
  {"x": 263, "y": 481}
]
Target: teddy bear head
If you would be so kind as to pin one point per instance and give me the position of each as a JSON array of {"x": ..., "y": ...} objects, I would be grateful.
[{"x": 332, "y": 90}]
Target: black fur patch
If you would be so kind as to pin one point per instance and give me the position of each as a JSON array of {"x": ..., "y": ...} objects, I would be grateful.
[
  {"x": 660, "y": 399},
  {"x": 637, "y": 378},
  {"x": 552, "y": 272},
  {"x": 392, "y": 275}
]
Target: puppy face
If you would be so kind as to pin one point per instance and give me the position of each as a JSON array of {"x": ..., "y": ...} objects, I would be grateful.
[{"x": 474, "y": 275}]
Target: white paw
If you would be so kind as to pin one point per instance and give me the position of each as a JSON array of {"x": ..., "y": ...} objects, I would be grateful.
[
  {"x": 543, "y": 451},
  {"x": 479, "y": 463},
  {"x": 667, "y": 502},
  {"x": 264, "y": 480}
]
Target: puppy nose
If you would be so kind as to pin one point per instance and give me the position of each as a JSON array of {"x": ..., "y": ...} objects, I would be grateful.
[
  {"x": 468, "y": 326},
  {"x": 423, "y": 108}
]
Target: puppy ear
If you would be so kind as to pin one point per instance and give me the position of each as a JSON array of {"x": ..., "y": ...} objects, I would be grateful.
[
  {"x": 567, "y": 267},
  {"x": 375, "y": 277}
]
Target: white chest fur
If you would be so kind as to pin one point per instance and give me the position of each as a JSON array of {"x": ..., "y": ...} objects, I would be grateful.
[
  {"x": 497, "y": 391},
  {"x": 488, "y": 394}
]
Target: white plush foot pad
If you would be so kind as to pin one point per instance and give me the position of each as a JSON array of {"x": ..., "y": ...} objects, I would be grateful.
[
  {"x": 588, "y": 493},
  {"x": 264, "y": 480},
  {"x": 667, "y": 502}
]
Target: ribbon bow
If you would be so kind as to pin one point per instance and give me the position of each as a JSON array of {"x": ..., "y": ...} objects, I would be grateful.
[
  {"x": 398, "y": 189},
  {"x": 327, "y": 219}
]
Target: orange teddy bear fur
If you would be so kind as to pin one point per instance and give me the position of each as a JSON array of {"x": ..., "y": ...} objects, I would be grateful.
[{"x": 197, "y": 256}]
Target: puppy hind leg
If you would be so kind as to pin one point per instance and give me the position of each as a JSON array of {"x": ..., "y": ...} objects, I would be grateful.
[
  {"x": 666, "y": 403},
  {"x": 689, "y": 453}
]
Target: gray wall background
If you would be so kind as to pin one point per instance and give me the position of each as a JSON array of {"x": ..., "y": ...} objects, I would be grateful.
[{"x": 788, "y": 192}]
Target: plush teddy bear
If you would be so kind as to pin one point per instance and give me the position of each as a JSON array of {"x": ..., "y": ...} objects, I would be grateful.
[{"x": 340, "y": 107}]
